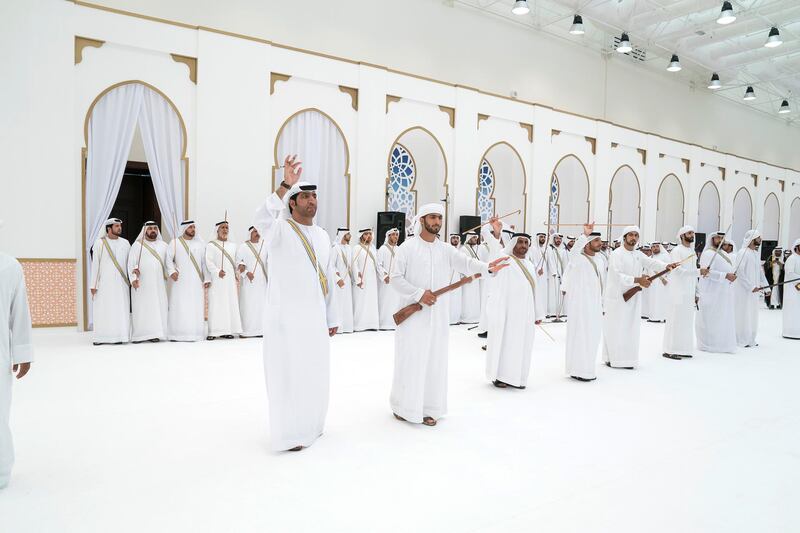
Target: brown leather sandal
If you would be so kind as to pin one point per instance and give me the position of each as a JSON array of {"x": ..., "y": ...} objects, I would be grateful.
[{"x": 429, "y": 421}]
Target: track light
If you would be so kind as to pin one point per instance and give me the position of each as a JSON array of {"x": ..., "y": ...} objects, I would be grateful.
[
  {"x": 726, "y": 16},
  {"x": 715, "y": 84},
  {"x": 577, "y": 25},
  {"x": 521, "y": 7},
  {"x": 785, "y": 107},
  {"x": 624, "y": 45},
  {"x": 674, "y": 64},
  {"x": 749, "y": 94},
  {"x": 774, "y": 38}
]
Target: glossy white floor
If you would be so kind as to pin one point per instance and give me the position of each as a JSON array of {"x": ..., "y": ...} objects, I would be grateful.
[{"x": 173, "y": 437}]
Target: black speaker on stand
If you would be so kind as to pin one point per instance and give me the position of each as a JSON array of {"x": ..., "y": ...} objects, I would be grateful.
[
  {"x": 767, "y": 247},
  {"x": 466, "y": 223},
  {"x": 386, "y": 221},
  {"x": 699, "y": 242}
]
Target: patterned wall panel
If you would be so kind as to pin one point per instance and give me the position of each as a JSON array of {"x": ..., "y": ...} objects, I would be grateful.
[{"x": 52, "y": 292}]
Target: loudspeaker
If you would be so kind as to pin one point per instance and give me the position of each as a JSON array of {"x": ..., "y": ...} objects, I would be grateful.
[
  {"x": 699, "y": 242},
  {"x": 767, "y": 248},
  {"x": 386, "y": 221},
  {"x": 465, "y": 223}
]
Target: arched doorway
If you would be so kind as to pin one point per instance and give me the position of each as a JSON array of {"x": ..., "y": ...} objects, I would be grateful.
[
  {"x": 569, "y": 193},
  {"x": 501, "y": 185},
  {"x": 669, "y": 214},
  {"x": 624, "y": 200}
]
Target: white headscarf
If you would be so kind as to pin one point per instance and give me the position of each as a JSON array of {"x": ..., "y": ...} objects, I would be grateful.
[
  {"x": 213, "y": 236},
  {"x": 145, "y": 226},
  {"x": 686, "y": 229},
  {"x": 553, "y": 237},
  {"x": 108, "y": 222},
  {"x": 390, "y": 232},
  {"x": 427, "y": 209},
  {"x": 630, "y": 229},
  {"x": 710, "y": 237},
  {"x": 749, "y": 237},
  {"x": 340, "y": 233},
  {"x": 795, "y": 244},
  {"x": 512, "y": 242},
  {"x": 297, "y": 188}
]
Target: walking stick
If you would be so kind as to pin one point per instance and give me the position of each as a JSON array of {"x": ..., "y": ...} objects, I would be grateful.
[
  {"x": 222, "y": 251},
  {"x": 498, "y": 218},
  {"x": 139, "y": 259}
]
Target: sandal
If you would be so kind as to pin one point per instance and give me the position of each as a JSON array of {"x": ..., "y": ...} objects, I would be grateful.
[
  {"x": 399, "y": 417},
  {"x": 429, "y": 421}
]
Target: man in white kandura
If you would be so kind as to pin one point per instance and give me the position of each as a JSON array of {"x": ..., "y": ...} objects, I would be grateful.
[
  {"x": 679, "y": 330},
  {"x": 471, "y": 292},
  {"x": 660, "y": 289},
  {"x": 147, "y": 270},
  {"x": 224, "y": 319},
  {"x": 791, "y": 294},
  {"x": 419, "y": 387},
  {"x": 365, "y": 277},
  {"x": 583, "y": 285},
  {"x": 342, "y": 261},
  {"x": 455, "y": 296},
  {"x": 388, "y": 299},
  {"x": 537, "y": 254},
  {"x": 557, "y": 261},
  {"x": 513, "y": 312},
  {"x": 715, "y": 323},
  {"x": 16, "y": 350},
  {"x": 300, "y": 312},
  {"x": 252, "y": 260},
  {"x": 645, "y": 249},
  {"x": 189, "y": 276},
  {"x": 622, "y": 320},
  {"x": 111, "y": 295},
  {"x": 749, "y": 275}
]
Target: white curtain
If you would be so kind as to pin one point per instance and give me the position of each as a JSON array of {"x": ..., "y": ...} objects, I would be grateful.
[
  {"x": 162, "y": 137},
  {"x": 319, "y": 145}
]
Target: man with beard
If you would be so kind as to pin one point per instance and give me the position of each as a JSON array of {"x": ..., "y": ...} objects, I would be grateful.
[
  {"x": 111, "y": 287},
  {"x": 791, "y": 301},
  {"x": 419, "y": 387},
  {"x": 455, "y": 296},
  {"x": 537, "y": 254},
  {"x": 471, "y": 292},
  {"x": 224, "y": 319},
  {"x": 189, "y": 276},
  {"x": 659, "y": 291},
  {"x": 365, "y": 283},
  {"x": 513, "y": 311},
  {"x": 680, "y": 306},
  {"x": 300, "y": 312},
  {"x": 749, "y": 276},
  {"x": 388, "y": 299},
  {"x": 252, "y": 260},
  {"x": 584, "y": 292},
  {"x": 557, "y": 261},
  {"x": 342, "y": 264},
  {"x": 715, "y": 323},
  {"x": 621, "y": 323},
  {"x": 147, "y": 270},
  {"x": 773, "y": 271}
]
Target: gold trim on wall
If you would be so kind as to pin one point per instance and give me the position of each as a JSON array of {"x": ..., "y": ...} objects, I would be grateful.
[
  {"x": 390, "y": 99},
  {"x": 755, "y": 179},
  {"x": 611, "y": 194},
  {"x": 588, "y": 189},
  {"x": 274, "y": 78},
  {"x": 389, "y": 171},
  {"x": 55, "y": 325},
  {"x": 723, "y": 171},
  {"x": 494, "y": 186},
  {"x": 451, "y": 114},
  {"x": 45, "y": 260},
  {"x": 481, "y": 117},
  {"x": 190, "y": 62},
  {"x": 529, "y": 129},
  {"x": 643, "y": 153},
  {"x": 686, "y": 163},
  {"x": 353, "y": 93},
  {"x": 276, "y": 161},
  {"x": 403, "y": 73},
  {"x": 84, "y": 158},
  {"x": 83, "y": 42},
  {"x": 553, "y": 133},
  {"x": 593, "y": 143}
]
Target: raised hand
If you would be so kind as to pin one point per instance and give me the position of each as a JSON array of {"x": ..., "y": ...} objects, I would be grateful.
[
  {"x": 496, "y": 225},
  {"x": 588, "y": 229},
  {"x": 498, "y": 264},
  {"x": 292, "y": 169}
]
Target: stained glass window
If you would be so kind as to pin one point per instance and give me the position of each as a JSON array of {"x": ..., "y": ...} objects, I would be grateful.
[
  {"x": 402, "y": 173},
  {"x": 554, "y": 201},
  {"x": 485, "y": 190}
]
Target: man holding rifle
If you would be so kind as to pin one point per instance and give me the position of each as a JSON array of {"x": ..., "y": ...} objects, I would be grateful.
[
  {"x": 622, "y": 322},
  {"x": 679, "y": 331},
  {"x": 422, "y": 265}
]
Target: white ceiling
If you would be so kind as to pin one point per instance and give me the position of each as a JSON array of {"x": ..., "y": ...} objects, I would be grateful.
[{"x": 688, "y": 28}]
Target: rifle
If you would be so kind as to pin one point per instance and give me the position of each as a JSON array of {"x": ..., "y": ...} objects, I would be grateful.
[
  {"x": 630, "y": 293},
  {"x": 403, "y": 314}
]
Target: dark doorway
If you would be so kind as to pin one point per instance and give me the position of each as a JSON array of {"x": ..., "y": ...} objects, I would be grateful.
[{"x": 136, "y": 202}]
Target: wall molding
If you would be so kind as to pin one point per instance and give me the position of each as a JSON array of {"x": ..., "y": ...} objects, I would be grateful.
[
  {"x": 275, "y": 77},
  {"x": 353, "y": 93},
  {"x": 190, "y": 62},
  {"x": 83, "y": 42}
]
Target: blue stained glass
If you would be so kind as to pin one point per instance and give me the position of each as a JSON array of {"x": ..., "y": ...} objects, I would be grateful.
[
  {"x": 554, "y": 200},
  {"x": 402, "y": 173},
  {"x": 485, "y": 190}
]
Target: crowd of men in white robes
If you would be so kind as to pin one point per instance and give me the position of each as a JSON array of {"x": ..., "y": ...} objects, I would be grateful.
[{"x": 152, "y": 291}]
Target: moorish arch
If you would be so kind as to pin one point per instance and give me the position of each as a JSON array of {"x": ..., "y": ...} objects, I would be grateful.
[
  {"x": 742, "y": 218},
  {"x": 624, "y": 200},
  {"x": 669, "y": 208},
  {"x": 569, "y": 194},
  {"x": 794, "y": 221},
  {"x": 501, "y": 186},
  {"x": 708, "y": 209},
  {"x": 771, "y": 228}
]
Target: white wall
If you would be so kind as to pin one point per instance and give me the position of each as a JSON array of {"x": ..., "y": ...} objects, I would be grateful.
[{"x": 624, "y": 200}]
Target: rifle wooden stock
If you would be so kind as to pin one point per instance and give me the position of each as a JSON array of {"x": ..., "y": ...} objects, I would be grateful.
[
  {"x": 403, "y": 314},
  {"x": 630, "y": 293}
]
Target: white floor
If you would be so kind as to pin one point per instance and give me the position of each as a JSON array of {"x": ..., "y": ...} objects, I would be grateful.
[{"x": 173, "y": 437}]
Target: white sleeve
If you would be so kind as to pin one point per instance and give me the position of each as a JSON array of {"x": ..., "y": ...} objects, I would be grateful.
[
  {"x": 466, "y": 265},
  {"x": 398, "y": 280},
  {"x": 170, "y": 258},
  {"x": 20, "y": 321},
  {"x": 266, "y": 217}
]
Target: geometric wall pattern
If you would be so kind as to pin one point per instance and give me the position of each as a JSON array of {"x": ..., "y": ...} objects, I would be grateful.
[{"x": 52, "y": 292}]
